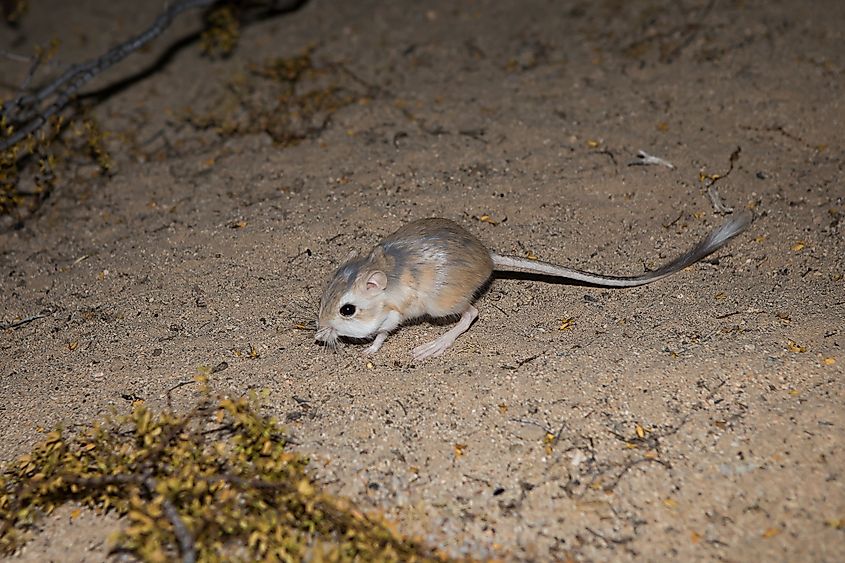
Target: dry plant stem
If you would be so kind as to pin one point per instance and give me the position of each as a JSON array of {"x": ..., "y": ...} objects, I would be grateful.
[
  {"x": 180, "y": 531},
  {"x": 183, "y": 535},
  {"x": 27, "y": 320},
  {"x": 715, "y": 199},
  {"x": 25, "y": 112}
]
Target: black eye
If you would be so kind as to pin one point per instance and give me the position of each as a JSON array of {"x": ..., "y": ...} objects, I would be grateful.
[{"x": 347, "y": 310}]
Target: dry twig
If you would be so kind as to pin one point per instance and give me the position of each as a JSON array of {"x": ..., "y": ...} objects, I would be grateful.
[{"x": 710, "y": 183}]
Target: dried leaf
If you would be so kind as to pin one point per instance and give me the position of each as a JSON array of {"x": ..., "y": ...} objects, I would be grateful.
[
  {"x": 548, "y": 442},
  {"x": 795, "y": 348},
  {"x": 771, "y": 532},
  {"x": 640, "y": 431},
  {"x": 567, "y": 324}
]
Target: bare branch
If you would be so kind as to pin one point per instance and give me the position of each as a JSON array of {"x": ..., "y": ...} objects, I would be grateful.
[{"x": 26, "y": 114}]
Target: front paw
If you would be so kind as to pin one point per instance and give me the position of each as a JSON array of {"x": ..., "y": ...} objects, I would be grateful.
[{"x": 370, "y": 350}]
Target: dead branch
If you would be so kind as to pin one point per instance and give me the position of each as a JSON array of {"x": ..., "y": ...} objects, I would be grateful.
[{"x": 28, "y": 113}]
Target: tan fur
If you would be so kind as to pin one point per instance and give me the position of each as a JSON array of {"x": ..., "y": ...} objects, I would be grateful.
[
  {"x": 455, "y": 261},
  {"x": 434, "y": 267}
]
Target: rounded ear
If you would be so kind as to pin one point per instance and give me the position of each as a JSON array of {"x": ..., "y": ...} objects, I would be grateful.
[{"x": 377, "y": 281}]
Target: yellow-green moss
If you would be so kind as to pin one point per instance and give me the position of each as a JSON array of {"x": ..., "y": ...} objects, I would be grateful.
[{"x": 223, "y": 468}]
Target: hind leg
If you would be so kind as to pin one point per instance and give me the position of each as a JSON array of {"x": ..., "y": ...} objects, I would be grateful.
[{"x": 440, "y": 345}]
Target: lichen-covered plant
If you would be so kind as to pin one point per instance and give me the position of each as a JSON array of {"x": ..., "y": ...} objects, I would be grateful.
[{"x": 217, "y": 483}]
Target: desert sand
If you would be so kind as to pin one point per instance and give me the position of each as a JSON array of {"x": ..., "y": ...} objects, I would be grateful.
[{"x": 697, "y": 418}]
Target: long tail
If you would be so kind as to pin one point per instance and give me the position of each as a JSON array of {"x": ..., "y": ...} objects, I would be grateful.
[{"x": 712, "y": 242}]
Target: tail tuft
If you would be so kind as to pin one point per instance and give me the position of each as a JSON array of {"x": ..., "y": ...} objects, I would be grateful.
[{"x": 710, "y": 244}]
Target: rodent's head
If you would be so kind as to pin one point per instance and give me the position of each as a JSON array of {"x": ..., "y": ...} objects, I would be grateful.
[{"x": 354, "y": 302}]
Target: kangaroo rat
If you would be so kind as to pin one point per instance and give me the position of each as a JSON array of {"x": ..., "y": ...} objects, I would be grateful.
[{"x": 435, "y": 268}]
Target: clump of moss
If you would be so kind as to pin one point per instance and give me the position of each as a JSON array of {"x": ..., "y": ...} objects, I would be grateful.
[
  {"x": 13, "y": 10},
  {"x": 33, "y": 167},
  {"x": 217, "y": 483},
  {"x": 27, "y": 169},
  {"x": 221, "y": 33},
  {"x": 289, "y": 98}
]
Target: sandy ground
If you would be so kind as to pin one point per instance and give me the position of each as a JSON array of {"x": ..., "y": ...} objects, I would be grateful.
[{"x": 698, "y": 418}]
